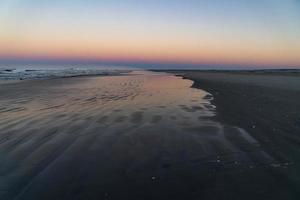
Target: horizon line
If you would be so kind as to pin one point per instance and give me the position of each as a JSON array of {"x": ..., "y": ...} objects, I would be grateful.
[{"x": 144, "y": 64}]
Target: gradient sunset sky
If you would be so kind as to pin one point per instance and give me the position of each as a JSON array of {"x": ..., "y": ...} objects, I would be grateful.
[{"x": 179, "y": 32}]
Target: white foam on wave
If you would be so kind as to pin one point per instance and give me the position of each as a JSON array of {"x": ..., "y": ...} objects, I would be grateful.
[{"x": 36, "y": 72}]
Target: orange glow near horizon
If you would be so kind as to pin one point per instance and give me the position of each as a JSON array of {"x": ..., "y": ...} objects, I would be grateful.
[{"x": 150, "y": 51}]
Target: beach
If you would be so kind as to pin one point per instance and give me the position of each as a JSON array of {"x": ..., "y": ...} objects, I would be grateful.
[
  {"x": 266, "y": 103},
  {"x": 146, "y": 135}
]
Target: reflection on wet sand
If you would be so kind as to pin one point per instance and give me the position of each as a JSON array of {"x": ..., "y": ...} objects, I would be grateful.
[{"x": 143, "y": 136}]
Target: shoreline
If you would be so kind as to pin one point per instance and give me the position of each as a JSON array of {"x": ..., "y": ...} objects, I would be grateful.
[
  {"x": 240, "y": 95},
  {"x": 267, "y": 106},
  {"x": 144, "y": 132}
]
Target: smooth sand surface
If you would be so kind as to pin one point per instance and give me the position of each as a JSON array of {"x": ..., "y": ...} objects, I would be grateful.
[
  {"x": 267, "y": 105},
  {"x": 141, "y": 136}
]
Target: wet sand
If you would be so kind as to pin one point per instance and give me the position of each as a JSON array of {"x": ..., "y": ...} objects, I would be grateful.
[
  {"x": 267, "y": 105},
  {"x": 144, "y": 135}
]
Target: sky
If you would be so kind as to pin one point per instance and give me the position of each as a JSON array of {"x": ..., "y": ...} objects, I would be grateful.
[{"x": 260, "y": 33}]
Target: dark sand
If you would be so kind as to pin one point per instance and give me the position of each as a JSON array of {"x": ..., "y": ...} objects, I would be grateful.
[
  {"x": 145, "y": 136},
  {"x": 267, "y": 105}
]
